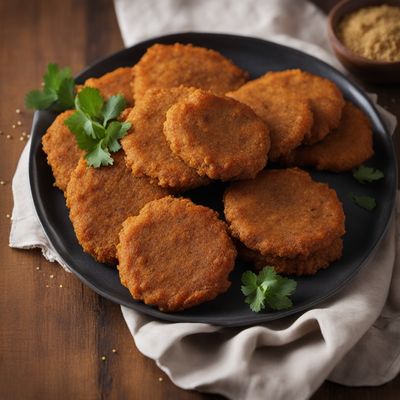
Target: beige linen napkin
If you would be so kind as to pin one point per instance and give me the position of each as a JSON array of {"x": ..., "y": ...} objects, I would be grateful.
[{"x": 352, "y": 339}]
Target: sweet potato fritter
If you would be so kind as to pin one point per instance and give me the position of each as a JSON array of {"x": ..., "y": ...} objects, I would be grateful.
[
  {"x": 218, "y": 136},
  {"x": 348, "y": 146},
  {"x": 324, "y": 97},
  {"x": 119, "y": 81},
  {"x": 147, "y": 151},
  {"x": 287, "y": 115},
  {"x": 284, "y": 213},
  {"x": 100, "y": 199},
  {"x": 300, "y": 265},
  {"x": 62, "y": 152},
  {"x": 175, "y": 254},
  {"x": 165, "y": 66}
]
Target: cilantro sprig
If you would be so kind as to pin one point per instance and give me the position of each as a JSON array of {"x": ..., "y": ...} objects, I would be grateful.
[
  {"x": 95, "y": 127},
  {"x": 364, "y": 174},
  {"x": 366, "y": 202},
  {"x": 267, "y": 288},
  {"x": 58, "y": 91}
]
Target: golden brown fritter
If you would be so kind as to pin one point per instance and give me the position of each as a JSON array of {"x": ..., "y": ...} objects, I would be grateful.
[
  {"x": 175, "y": 254},
  {"x": 287, "y": 115},
  {"x": 324, "y": 97},
  {"x": 115, "y": 82},
  {"x": 62, "y": 152},
  {"x": 166, "y": 66},
  {"x": 284, "y": 213},
  {"x": 100, "y": 199},
  {"x": 348, "y": 146},
  {"x": 218, "y": 136},
  {"x": 147, "y": 151},
  {"x": 300, "y": 265}
]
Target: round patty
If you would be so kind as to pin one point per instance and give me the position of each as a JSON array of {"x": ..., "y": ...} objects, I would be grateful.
[
  {"x": 119, "y": 81},
  {"x": 100, "y": 199},
  {"x": 175, "y": 254},
  {"x": 147, "y": 151},
  {"x": 218, "y": 136},
  {"x": 166, "y": 66},
  {"x": 325, "y": 99},
  {"x": 300, "y": 265},
  {"x": 62, "y": 152},
  {"x": 288, "y": 116},
  {"x": 284, "y": 213},
  {"x": 348, "y": 146}
]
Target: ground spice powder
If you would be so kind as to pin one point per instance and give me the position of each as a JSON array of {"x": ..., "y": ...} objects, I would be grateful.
[{"x": 372, "y": 32}]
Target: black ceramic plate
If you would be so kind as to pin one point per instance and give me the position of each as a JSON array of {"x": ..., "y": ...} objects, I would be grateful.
[{"x": 364, "y": 229}]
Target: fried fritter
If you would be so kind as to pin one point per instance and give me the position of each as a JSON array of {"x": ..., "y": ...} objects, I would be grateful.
[
  {"x": 287, "y": 115},
  {"x": 165, "y": 66},
  {"x": 100, "y": 199},
  {"x": 147, "y": 151},
  {"x": 324, "y": 97},
  {"x": 62, "y": 152},
  {"x": 300, "y": 265},
  {"x": 348, "y": 146},
  {"x": 218, "y": 136},
  {"x": 119, "y": 81},
  {"x": 175, "y": 254},
  {"x": 284, "y": 213}
]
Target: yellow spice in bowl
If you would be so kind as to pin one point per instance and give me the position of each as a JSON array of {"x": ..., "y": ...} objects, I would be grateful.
[{"x": 372, "y": 32}]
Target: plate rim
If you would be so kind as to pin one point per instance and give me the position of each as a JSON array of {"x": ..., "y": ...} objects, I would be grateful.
[{"x": 251, "y": 319}]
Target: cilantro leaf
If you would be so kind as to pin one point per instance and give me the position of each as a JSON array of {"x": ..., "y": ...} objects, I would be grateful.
[
  {"x": 113, "y": 107},
  {"x": 115, "y": 131},
  {"x": 366, "y": 174},
  {"x": 267, "y": 288},
  {"x": 58, "y": 91},
  {"x": 366, "y": 202},
  {"x": 90, "y": 102},
  {"x": 99, "y": 156}
]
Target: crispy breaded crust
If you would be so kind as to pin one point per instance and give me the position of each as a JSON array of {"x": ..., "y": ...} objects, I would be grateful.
[
  {"x": 175, "y": 254},
  {"x": 62, "y": 152},
  {"x": 324, "y": 97},
  {"x": 147, "y": 151},
  {"x": 100, "y": 199},
  {"x": 287, "y": 115},
  {"x": 348, "y": 146},
  {"x": 284, "y": 213},
  {"x": 300, "y": 265},
  {"x": 165, "y": 66},
  {"x": 115, "y": 82},
  {"x": 218, "y": 136}
]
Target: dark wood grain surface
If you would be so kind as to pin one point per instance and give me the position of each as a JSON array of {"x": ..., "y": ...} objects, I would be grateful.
[{"x": 54, "y": 330}]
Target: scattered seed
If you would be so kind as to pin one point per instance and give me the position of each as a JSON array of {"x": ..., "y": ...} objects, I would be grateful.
[
  {"x": 160, "y": 379},
  {"x": 23, "y": 133},
  {"x": 41, "y": 83},
  {"x": 7, "y": 215},
  {"x": 18, "y": 111},
  {"x": 103, "y": 358},
  {"x": 8, "y": 137},
  {"x": 37, "y": 268},
  {"x": 51, "y": 276},
  {"x": 114, "y": 350},
  {"x": 61, "y": 286},
  {"x": 21, "y": 139},
  {"x": 19, "y": 123},
  {"x": 47, "y": 286},
  {"x": 14, "y": 126},
  {"x": 2, "y": 183},
  {"x": 28, "y": 136}
]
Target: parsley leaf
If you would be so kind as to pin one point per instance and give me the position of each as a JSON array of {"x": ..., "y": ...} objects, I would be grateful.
[
  {"x": 366, "y": 202},
  {"x": 58, "y": 92},
  {"x": 366, "y": 174},
  {"x": 94, "y": 125},
  {"x": 267, "y": 288}
]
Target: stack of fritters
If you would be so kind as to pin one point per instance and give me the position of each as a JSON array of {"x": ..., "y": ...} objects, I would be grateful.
[{"x": 194, "y": 120}]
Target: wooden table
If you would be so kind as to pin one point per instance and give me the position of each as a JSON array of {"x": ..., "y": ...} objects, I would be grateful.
[{"x": 52, "y": 338}]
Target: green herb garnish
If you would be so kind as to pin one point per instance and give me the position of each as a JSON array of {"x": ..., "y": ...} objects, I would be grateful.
[
  {"x": 366, "y": 174},
  {"x": 58, "y": 91},
  {"x": 366, "y": 202},
  {"x": 267, "y": 288},
  {"x": 94, "y": 125}
]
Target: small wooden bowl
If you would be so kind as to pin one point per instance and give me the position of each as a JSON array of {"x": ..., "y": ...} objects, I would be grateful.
[{"x": 363, "y": 68}]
